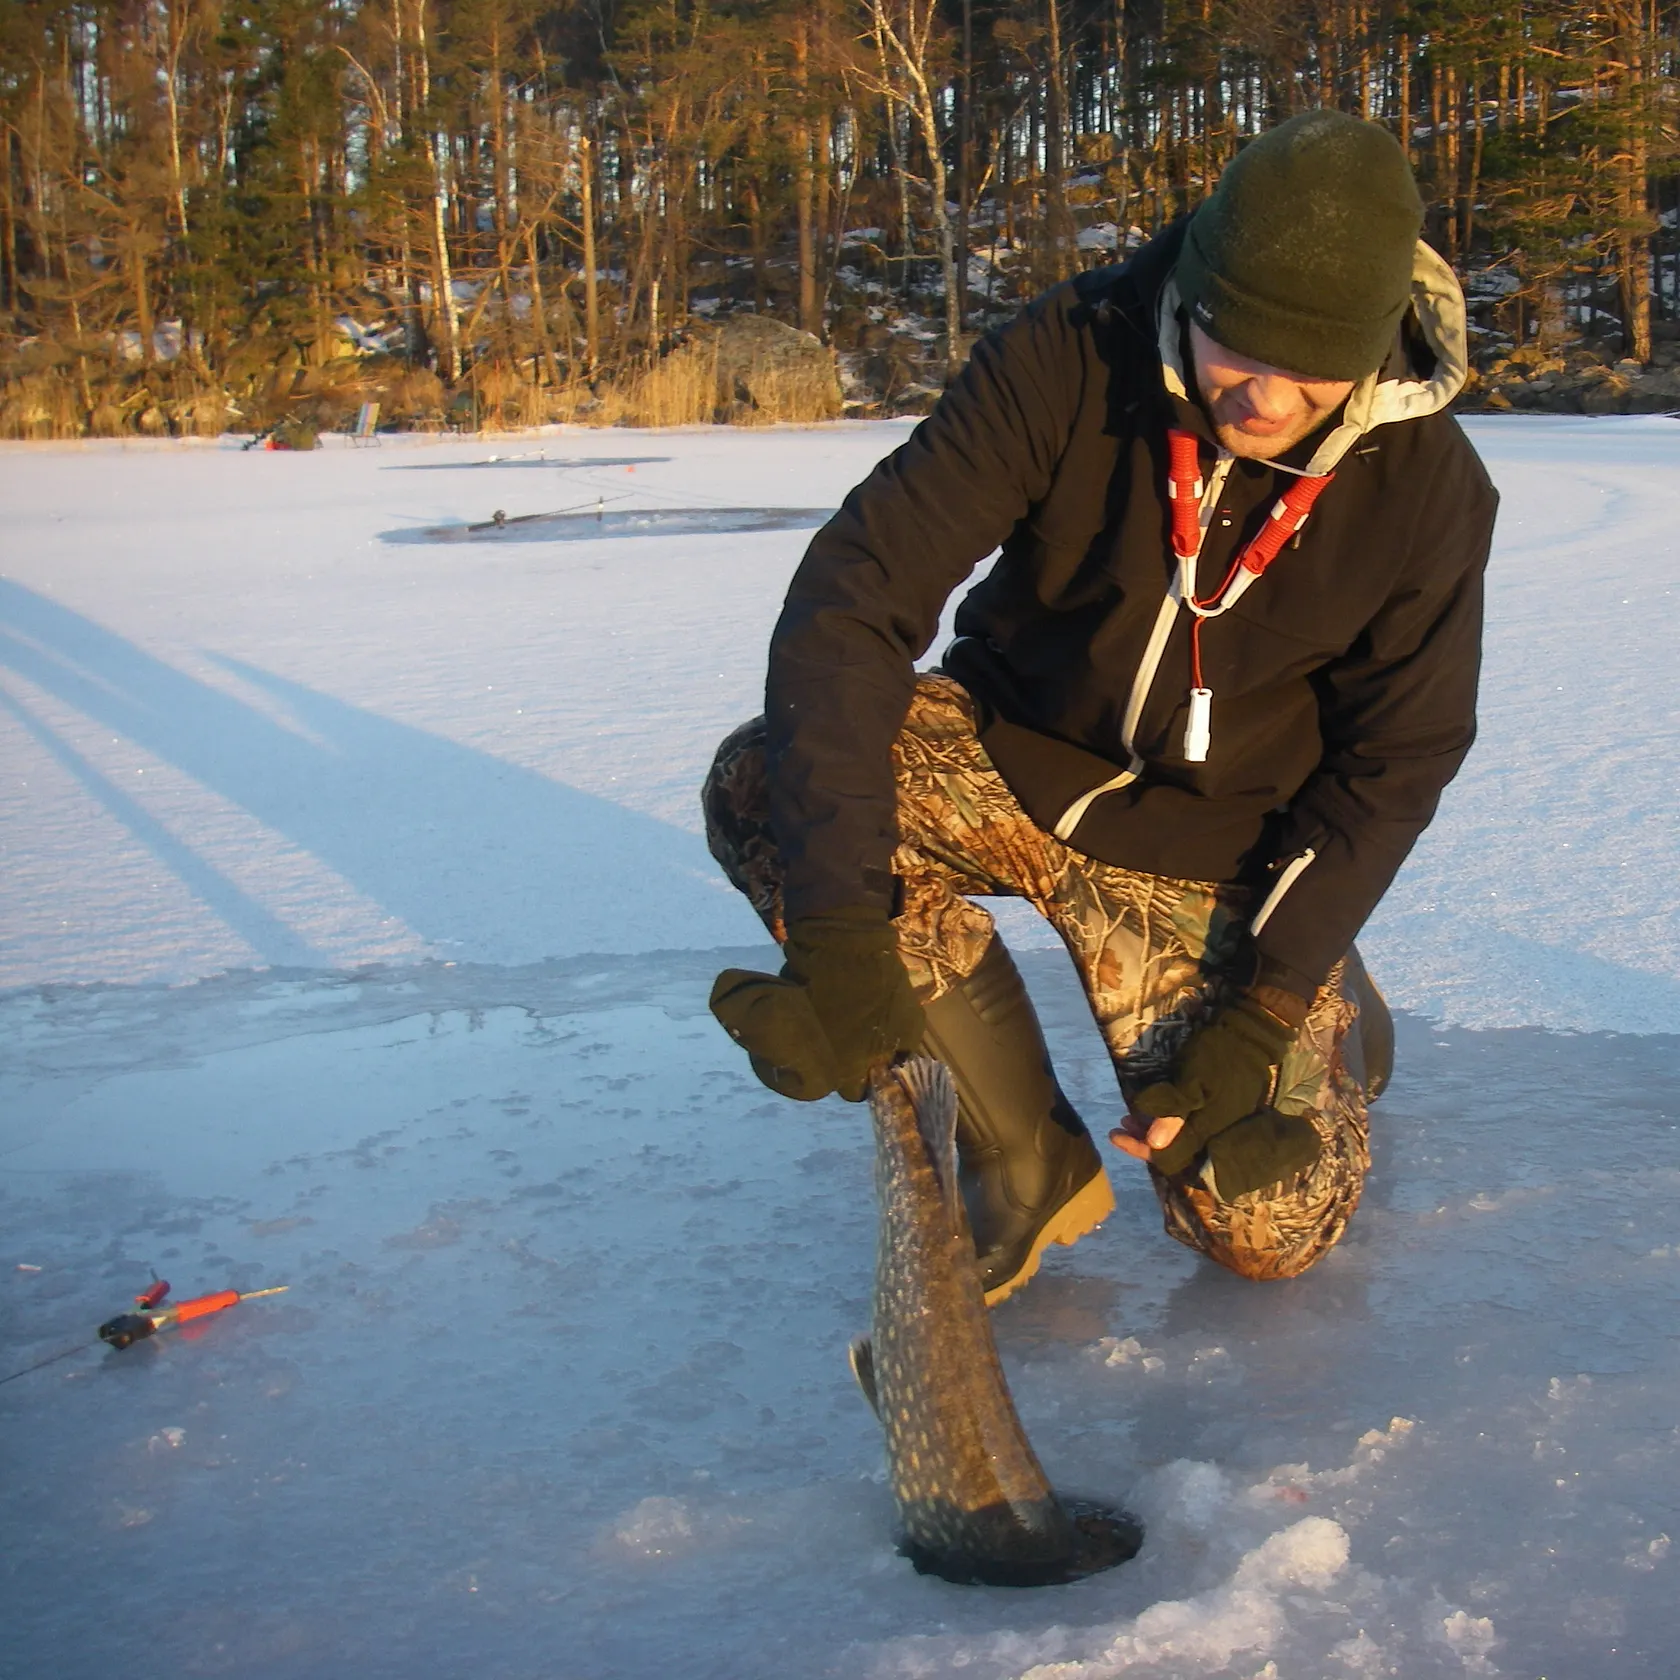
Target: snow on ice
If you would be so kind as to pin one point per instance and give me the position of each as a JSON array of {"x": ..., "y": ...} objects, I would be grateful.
[{"x": 356, "y": 935}]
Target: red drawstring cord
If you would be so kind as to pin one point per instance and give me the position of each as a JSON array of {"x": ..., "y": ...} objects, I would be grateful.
[
  {"x": 1184, "y": 493},
  {"x": 1206, "y": 602}
]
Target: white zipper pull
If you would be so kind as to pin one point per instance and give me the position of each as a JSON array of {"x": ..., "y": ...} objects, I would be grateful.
[
  {"x": 1290, "y": 873},
  {"x": 1198, "y": 732}
]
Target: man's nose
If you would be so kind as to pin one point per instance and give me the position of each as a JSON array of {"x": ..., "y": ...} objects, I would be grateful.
[{"x": 1272, "y": 398}]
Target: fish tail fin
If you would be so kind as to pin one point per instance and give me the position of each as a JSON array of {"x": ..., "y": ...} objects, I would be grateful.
[{"x": 933, "y": 1097}]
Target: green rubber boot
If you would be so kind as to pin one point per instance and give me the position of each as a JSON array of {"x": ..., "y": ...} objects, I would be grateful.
[
  {"x": 1031, "y": 1175},
  {"x": 1376, "y": 1029}
]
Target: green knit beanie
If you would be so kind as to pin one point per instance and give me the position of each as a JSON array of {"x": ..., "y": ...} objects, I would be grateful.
[{"x": 1302, "y": 257}]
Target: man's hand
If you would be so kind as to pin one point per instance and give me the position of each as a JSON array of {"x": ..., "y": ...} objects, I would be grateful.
[
  {"x": 841, "y": 1004},
  {"x": 1142, "y": 1137},
  {"x": 1215, "y": 1102}
]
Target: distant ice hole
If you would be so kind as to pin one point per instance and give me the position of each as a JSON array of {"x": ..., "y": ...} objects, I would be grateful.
[
  {"x": 529, "y": 461},
  {"x": 579, "y": 525}
]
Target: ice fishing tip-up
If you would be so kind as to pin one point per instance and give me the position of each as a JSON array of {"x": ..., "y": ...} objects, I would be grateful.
[{"x": 127, "y": 1328}]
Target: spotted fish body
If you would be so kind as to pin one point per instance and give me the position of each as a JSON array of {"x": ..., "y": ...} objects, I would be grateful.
[{"x": 972, "y": 1497}]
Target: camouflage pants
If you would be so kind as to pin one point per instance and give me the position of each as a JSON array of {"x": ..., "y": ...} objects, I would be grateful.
[{"x": 1151, "y": 951}]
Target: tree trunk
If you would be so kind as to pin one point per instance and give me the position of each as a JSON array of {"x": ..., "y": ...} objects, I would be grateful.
[
  {"x": 1635, "y": 287},
  {"x": 1467, "y": 224},
  {"x": 1635, "y": 253},
  {"x": 500, "y": 174},
  {"x": 965, "y": 162},
  {"x": 443, "y": 275},
  {"x": 1451, "y": 194},
  {"x": 171, "y": 70},
  {"x": 676, "y": 248},
  {"x": 810, "y": 311},
  {"x": 1437, "y": 133},
  {"x": 1405, "y": 55},
  {"x": 9, "y": 299},
  {"x": 142, "y": 294},
  {"x": 591, "y": 297},
  {"x": 755, "y": 233},
  {"x": 1364, "y": 64},
  {"x": 828, "y": 232},
  {"x": 1055, "y": 150},
  {"x": 906, "y": 240},
  {"x": 539, "y": 315},
  {"x": 448, "y": 324}
]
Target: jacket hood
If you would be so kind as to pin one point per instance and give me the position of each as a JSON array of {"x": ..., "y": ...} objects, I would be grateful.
[{"x": 1408, "y": 388}]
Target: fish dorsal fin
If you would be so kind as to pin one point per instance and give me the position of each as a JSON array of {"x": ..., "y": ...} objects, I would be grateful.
[
  {"x": 861, "y": 1354},
  {"x": 933, "y": 1097}
]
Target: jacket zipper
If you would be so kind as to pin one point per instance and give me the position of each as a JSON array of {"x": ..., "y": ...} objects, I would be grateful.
[
  {"x": 1287, "y": 877},
  {"x": 1148, "y": 667}
]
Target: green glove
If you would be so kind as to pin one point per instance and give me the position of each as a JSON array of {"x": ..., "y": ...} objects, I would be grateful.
[
  {"x": 841, "y": 1004},
  {"x": 1220, "y": 1086}
]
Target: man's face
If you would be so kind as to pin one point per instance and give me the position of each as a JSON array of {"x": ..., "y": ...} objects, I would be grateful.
[{"x": 1260, "y": 411}]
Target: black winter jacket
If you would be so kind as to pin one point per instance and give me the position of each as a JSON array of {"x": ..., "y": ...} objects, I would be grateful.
[{"x": 1344, "y": 680}]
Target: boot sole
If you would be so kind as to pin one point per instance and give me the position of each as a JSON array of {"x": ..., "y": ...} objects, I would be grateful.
[{"x": 1077, "y": 1217}]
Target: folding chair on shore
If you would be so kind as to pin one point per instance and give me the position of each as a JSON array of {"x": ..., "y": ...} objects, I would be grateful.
[{"x": 366, "y": 429}]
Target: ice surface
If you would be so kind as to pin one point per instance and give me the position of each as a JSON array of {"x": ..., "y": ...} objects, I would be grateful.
[
  {"x": 357, "y": 932},
  {"x": 562, "y": 1366}
]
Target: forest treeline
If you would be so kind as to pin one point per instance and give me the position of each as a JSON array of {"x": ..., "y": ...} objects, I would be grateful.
[{"x": 217, "y": 212}]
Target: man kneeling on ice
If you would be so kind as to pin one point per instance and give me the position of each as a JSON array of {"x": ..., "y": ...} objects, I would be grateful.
[{"x": 1196, "y": 714}]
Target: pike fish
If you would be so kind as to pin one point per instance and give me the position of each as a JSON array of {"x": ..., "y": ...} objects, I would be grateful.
[{"x": 972, "y": 1497}]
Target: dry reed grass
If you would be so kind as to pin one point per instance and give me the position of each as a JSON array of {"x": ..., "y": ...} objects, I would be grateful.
[
  {"x": 797, "y": 395},
  {"x": 48, "y": 405},
  {"x": 694, "y": 386},
  {"x": 50, "y": 397}
]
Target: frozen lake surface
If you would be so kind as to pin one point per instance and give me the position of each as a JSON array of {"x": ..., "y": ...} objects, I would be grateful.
[{"x": 357, "y": 935}]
